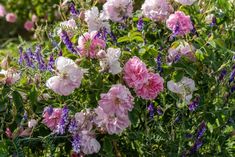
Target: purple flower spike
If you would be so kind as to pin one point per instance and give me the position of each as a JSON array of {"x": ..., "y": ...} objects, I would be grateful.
[
  {"x": 28, "y": 60},
  {"x": 140, "y": 24},
  {"x": 73, "y": 126},
  {"x": 113, "y": 37},
  {"x": 73, "y": 10},
  {"x": 201, "y": 130},
  {"x": 63, "y": 121},
  {"x": 232, "y": 75},
  {"x": 39, "y": 58},
  {"x": 193, "y": 105},
  {"x": 159, "y": 110},
  {"x": 196, "y": 146},
  {"x": 76, "y": 143},
  {"x": 51, "y": 63},
  {"x": 222, "y": 74},
  {"x": 159, "y": 63},
  {"x": 151, "y": 110},
  {"x": 214, "y": 21},
  {"x": 21, "y": 58},
  {"x": 67, "y": 42}
]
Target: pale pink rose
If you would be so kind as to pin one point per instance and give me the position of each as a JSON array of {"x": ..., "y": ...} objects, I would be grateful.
[
  {"x": 84, "y": 120},
  {"x": 96, "y": 21},
  {"x": 113, "y": 124},
  {"x": 185, "y": 88},
  {"x": 9, "y": 76},
  {"x": 157, "y": 10},
  {"x": 185, "y": 2},
  {"x": 118, "y": 100},
  {"x": 28, "y": 25},
  {"x": 2, "y": 11},
  {"x": 89, "y": 44},
  {"x": 32, "y": 123},
  {"x": 179, "y": 23},
  {"x": 51, "y": 117},
  {"x": 34, "y": 18},
  {"x": 117, "y": 11},
  {"x": 70, "y": 76},
  {"x": 135, "y": 73},
  {"x": 11, "y": 17},
  {"x": 151, "y": 88},
  {"x": 89, "y": 145}
]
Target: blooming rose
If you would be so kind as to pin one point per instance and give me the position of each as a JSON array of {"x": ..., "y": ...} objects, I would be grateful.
[
  {"x": 113, "y": 124},
  {"x": 28, "y": 25},
  {"x": 151, "y": 88},
  {"x": 89, "y": 44},
  {"x": 9, "y": 76},
  {"x": 117, "y": 11},
  {"x": 157, "y": 10},
  {"x": 96, "y": 21},
  {"x": 2, "y": 11},
  {"x": 179, "y": 23},
  {"x": 184, "y": 88},
  {"x": 69, "y": 77},
  {"x": 11, "y": 17},
  {"x": 110, "y": 60},
  {"x": 89, "y": 144},
  {"x": 52, "y": 117},
  {"x": 118, "y": 100},
  {"x": 135, "y": 73}
]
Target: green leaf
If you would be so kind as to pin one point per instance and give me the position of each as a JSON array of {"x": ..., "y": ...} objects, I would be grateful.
[
  {"x": 199, "y": 55},
  {"x": 123, "y": 39},
  {"x": 18, "y": 101}
]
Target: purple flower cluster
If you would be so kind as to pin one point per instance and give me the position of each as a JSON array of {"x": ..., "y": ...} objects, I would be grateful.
[
  {"x": 68, "y": 43},
  {"x": 72, "y": 9},
  {"x": 76, "y": 143},
  {"x": 73, "y": 126},
  {"x": 63, "y": 121},
  {"x": 35, "y": 59},
  {"x": 198, "y": 142},
  {"x": 194, "y": 104},
  {"x": 159, "y": 63},
  {"x": 140, "y": 24}
]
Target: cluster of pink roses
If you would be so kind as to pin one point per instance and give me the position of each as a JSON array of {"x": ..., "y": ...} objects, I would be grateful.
[
  {"x": 12, "y": 18},
  {"x": 146, "y": 84}
]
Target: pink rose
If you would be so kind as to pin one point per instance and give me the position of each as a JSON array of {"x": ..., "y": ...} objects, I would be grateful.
[
  {"x": 51, "y": 117},
  {"x": 28, "y": 25},
  {"x": 135, "y": 73},
  {"x": 11, "y": 17},
  {"x": 151, "y": 88},
  {"x": 89, "y": 44},
  {"x": 2, "y": 11},
  {"x": 118, "y": 100},
  {"x": 179, "y": 23}
]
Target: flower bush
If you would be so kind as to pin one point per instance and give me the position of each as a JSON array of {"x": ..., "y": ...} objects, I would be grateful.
[{"x": 116, "y": 78}]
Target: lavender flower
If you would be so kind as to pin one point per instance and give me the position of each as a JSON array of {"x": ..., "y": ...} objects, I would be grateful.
[
  {"x": 222, "y": 74},
  {"x": 76, "y": 143},
  {"x": 41, "y": 63},
  {"x": 214, "y": 21},
  {"x": 196, "y": 146},
  {"x": 151, "y": 110},
  {"x": 159, "y": 110},
  {"x": 30, "y": 54},
  {"x": 140, "y": 24},
  {"x": 28, "y": 60},
  {"x": 201, "y": 130},
  {"x": 21, "y": 58},
  {"x": 49, "y": 110},
  {"x": 67, "y": 42},
  {"x": 63, "y": 121},
  {"x": 159, "y": 63},
  {"x": 194, "y": 104},
  {"x": 113, "y": 37},
  {"x": 50, "y": 63},
  {"x": 73, "y": 126},
  {"x": 232, "y": 89},
  {"x": 60, "y": 53},
  {"x": 232, "y": 75},
  {"x": 73, "y": 10}
]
